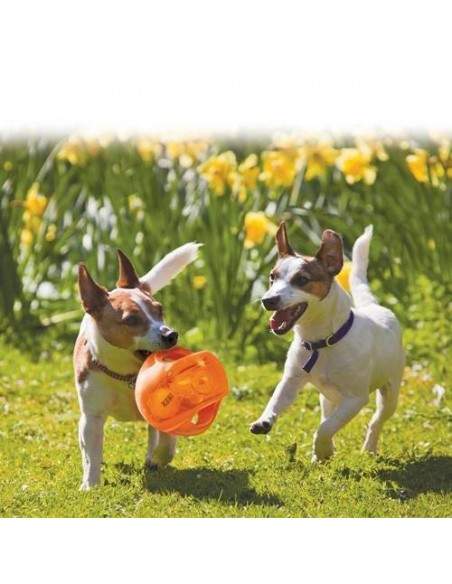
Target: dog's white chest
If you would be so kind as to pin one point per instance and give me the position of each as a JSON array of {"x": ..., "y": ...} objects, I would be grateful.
[
  {"x": 100, "y": 395},
  {"x": 327, "y": 387}
]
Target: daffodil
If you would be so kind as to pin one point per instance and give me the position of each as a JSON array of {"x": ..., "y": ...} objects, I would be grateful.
[
  {"x": 8, "y": 166},
  {"x": 279, "y": 168},
  {"x": 343, "y": 278},
  {"x": 35, "y": 203},
  {"x": 148, "y": 149},
  {"x": 317, "y": 158},
  {"x": 51, "y": 232},
  {"x": 26, "y": 237},
  {"x": 219, "y": 172},
  {"x": 426, "y": 168},
  {"x": 246, "y": 178},
  {"x": 257, "y": 226},
  {"x": 417, "y": 164},
  {"x": 373, "y": 147},
  {"x": 199, "y": 282},
  {"x": 135, "y": 203},
  {"x": 73, "y": 151},
  {"x": 445, "y": 156},
  {"x": 31, "y": 222},
  {"x": 187, "y": 153},
  {"x": 356, "y": 166}
]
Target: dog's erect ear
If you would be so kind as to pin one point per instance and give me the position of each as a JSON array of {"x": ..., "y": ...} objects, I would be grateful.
[
  {"x": 127, "y": 276},
  {"x": 94, "y": 297},
  {"x": 330, "y": 252},
  {"x": 282, "y": 241}
]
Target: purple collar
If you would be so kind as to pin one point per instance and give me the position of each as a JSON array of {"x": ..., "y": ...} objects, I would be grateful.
[{"x": 314, "y": 346}]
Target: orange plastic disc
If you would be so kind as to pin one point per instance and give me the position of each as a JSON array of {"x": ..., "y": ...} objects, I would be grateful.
[{"x": 179, "y": 392}]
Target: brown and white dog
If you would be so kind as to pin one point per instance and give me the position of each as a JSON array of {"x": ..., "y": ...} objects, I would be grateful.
[
  {"x": 119, "y": 329},
  {"x": 347, "y": 346}
]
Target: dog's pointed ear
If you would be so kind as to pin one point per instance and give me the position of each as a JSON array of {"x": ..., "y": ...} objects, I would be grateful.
[
  {"x": 282, "y": 241},
  {"x": 330, "y": 252},
  {"x": 127, "y": 276},
  {"x": 93, "y": 296}
]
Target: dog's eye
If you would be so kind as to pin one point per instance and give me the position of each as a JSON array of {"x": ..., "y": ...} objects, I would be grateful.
[
  {"x": 272, "y": 277},
  {"x": 300, "y": 280},
  {"x": 131, "y": 320}
]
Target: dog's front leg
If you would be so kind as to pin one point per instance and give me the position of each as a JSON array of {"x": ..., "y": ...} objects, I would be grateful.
[
  {"x": 91, "y": 438},
  {"x": 345, "y": 411},
  {"x": 161, "y": 448},
  {"x": 284, "y": 395}
]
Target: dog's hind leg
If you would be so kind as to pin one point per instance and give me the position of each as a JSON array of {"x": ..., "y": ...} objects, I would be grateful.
[
  {"x": 344, "y": 412},
  {"x": 327, "y": 407},
  {"x": 386, "y": 399}
]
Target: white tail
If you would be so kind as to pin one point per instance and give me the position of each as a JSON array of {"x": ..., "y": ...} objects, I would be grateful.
[
  {"x": 359, "y": 284},
  {"x": 170, "y": 266}
]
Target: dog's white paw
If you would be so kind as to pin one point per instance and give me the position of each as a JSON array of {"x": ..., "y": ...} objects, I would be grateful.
[
  {"x": 260, "y": 427},
  {"x": 323, "y": 449},
  {"x": 88, "y": 485}
]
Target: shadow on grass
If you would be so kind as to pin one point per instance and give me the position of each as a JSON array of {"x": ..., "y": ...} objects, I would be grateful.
[
  {"x": 432, "y": 474},
  {"x": 227, "y": 486}
]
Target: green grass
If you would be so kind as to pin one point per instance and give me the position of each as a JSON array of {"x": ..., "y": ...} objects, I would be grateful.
[{"x": 227, "y": 472}]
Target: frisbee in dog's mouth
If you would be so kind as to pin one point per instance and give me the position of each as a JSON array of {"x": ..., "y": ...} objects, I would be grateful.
[
  {"x": 141, "y": 354},
  {"x": 283, "y": 320}
]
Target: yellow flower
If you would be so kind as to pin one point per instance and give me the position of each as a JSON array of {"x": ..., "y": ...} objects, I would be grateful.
[
  {"x": 249, "y": 171},
  {"x": 32, "y": 222},
  {"x": 445, "y": 156},
  {"x": 74, "y": 152},
  {"x": 135, "y": 203},
  {"x": 199, "y": 282},
  {"x": 148, "y": 149},
  {"x": 257, "y": 226},
  {"x": 356, "y": 166},
  {"x": 51, "y": 232},
  {"x": 26, "y": 237},
  {"x": 35, "y": 203},
  {"x": 247, "y": 176},
  {"x": 187, "y": 153},
  {"x": 8, "y": 166},
  {"x": 343, "y": 278},
  {"x": 374, "y": 148},
  {"x": 219, "y": 172},
  {"x": 279, "y": 168},
  {"x": 317, "y": 158},
  {"x": 417, "y": 164}
]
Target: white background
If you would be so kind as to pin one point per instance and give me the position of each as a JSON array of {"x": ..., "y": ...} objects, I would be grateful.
[{"x": 224, "y": 67}]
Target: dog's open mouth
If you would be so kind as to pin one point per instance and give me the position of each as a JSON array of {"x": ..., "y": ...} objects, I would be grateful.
[
  {"x": 141, "y": 354},
  {"x": 283, "y": 320}
]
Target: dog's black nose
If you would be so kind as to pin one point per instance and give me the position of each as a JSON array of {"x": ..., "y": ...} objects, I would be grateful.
[
  {"x": 169, "y": 336},
  {"x": 271, "y": 302}
]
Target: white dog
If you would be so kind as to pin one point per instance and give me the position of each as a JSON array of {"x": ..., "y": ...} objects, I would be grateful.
[
  {"x": 119, "y": 330},
  {"x": 347, "y": 350}
]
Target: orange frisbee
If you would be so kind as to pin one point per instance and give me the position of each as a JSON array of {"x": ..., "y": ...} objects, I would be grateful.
[{"x": 179, "y": 392}]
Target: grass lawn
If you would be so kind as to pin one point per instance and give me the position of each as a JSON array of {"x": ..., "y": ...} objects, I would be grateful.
[{"x": 226, "y": 472}]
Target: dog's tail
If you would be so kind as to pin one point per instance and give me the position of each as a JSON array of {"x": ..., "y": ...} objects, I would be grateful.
[
  {"x": 362, "y": 296},
  {"x": 171, "y": 265}
]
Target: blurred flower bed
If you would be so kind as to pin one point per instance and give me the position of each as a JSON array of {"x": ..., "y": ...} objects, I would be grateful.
[{"x": 80, "y": 199}]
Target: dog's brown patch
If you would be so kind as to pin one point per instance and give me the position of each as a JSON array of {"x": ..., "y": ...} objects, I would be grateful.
[
  {"x": 122, "y": 318},
  {"x": 81, "y": 359},
  {"x": 319, "y": 280},
  {"x": 317, "y": 273}
]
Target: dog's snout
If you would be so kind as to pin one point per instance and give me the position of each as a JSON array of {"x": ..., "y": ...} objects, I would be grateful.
[
  {"x": 271, "y": 302},
  {"x": 169, "y": 336}
]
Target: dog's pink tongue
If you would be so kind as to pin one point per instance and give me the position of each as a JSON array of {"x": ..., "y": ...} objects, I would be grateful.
[{"x": 277, "y": 319}]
